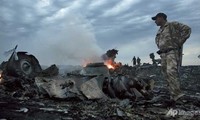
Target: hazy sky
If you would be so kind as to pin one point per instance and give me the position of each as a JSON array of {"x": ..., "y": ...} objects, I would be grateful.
[{"x": 74, "y": 31}]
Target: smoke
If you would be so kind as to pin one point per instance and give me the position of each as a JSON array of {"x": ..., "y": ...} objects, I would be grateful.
[
  {"x": 65, "y": 41},
  {"x": 71, "y": 42}
]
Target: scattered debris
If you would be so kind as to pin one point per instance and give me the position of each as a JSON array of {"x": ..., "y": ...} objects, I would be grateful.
[
  {"x": 24, "y": 110},
  {"x": 49, "y": 72},
  {"x": 55, "y": 110},
  {"x": 93, "y": 92},
  {"x": 58, "y": 88},
  {"x": 20, "y": 64}
]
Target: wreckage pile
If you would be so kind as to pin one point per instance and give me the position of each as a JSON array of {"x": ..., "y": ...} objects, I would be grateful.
[
  {"x": 92, "y": 82},
  {"x": 92, "y": 92},
  {"x": 125, "y": 93}
]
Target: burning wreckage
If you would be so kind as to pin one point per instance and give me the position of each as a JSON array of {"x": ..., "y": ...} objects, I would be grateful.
[
  {"x": 22, "y": 78},
  {"x": 94, "y": 81}
]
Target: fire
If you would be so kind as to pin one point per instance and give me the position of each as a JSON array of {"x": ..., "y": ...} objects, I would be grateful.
[
  {"x": 112, "y": 65},
  {"x": 0, "y": 76},
  {"x": 109, "y": 64}
]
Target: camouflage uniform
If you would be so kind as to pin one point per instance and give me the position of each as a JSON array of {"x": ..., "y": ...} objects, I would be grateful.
[{"x": 170, "y": 39}]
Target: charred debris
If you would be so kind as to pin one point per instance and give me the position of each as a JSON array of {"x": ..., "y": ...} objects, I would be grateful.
[
  {"x": 125, "y": 92},
  {"x": 94, "y": 81}
]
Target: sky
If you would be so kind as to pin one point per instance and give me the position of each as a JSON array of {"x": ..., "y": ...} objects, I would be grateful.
[{"x": 71, "y": 32}]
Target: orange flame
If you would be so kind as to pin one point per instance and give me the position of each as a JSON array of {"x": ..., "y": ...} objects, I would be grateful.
[
  {"x": 109, "y": 64},
  {"x": 0, "y": 76}
]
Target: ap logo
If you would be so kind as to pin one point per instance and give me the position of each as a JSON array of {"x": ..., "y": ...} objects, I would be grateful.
[{"x": 172, "y": 112}]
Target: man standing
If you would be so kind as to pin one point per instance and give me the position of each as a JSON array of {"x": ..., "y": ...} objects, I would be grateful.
[
  {"x": 170, "y": 39},
  {"x": 152, "y": 56},
  {"x": 134, "y": 61},
  {"x": 138, "y": 61}
]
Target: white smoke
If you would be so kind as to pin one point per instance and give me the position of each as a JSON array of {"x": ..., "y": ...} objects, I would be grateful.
[
  {"x": 70, "y": 43},
  {"x": 66, "y": 41}
]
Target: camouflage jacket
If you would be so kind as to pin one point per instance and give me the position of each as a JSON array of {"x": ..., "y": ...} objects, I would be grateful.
[{"x": 172, "y": 35}]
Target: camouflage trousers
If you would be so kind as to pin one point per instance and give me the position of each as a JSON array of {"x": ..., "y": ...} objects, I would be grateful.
[{"x": 170, "y": 64}]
